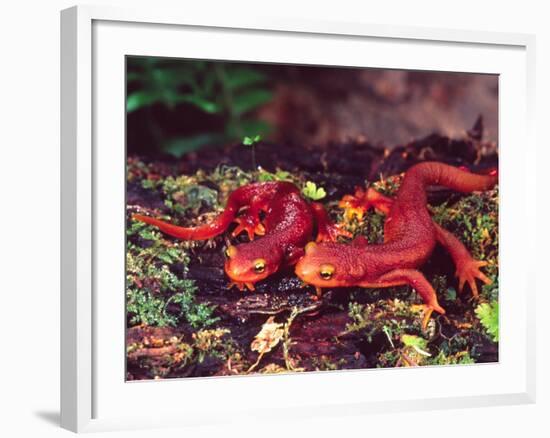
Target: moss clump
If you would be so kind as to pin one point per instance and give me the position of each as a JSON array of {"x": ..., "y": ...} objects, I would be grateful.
[
  {"x": 155, "y": 295},
  {"x": 162, "y": 356}
]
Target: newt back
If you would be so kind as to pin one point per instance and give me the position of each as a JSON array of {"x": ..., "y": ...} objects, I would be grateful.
[
  {"x": 409, "y": 232},
  {"x": 409, "y": 237}
]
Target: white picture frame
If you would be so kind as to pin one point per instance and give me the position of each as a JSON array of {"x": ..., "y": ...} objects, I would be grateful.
[{"x": 93, "y": 395}]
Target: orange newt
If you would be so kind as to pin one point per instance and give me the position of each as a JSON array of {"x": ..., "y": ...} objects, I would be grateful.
[
  {"x": 288, "y": 224},
  {"x": 410, "y": 236}
]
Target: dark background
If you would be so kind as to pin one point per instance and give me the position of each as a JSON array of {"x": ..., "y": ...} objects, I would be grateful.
[{"x": 180, "y": 106}]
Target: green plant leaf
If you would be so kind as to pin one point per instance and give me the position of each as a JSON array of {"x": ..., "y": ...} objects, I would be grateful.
[
  {"x": 173, "y": 77},
  {"x": 139, "y": 99},
  {"x": 180, "y": 146},
  {"x": 204, "y": 104},
  {"x": 243, "y": 77},
  {"x": 311, "y": 191},
  {"x": 488, "y": 316},
  {"x": 247, "y": 101}
]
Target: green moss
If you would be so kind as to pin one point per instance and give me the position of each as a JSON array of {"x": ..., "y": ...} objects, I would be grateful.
[
  {"x": 474, "y": 220},
  {"x": 324, "y": 363},
  {"x": 151, "y": 286},
  {"x": 414, "y": 341},
  {"x": 460, "y": 358},
  {"x": 214, "y": 342},
  {"x": 144, "y": 308},
  {"x": 392, "y": 318},
  {"x": 370, "y": 226},
  {"x": 279, "y": 175},
  {"x": 388, "y": 186},
  {"x": 184, "y": 196}
]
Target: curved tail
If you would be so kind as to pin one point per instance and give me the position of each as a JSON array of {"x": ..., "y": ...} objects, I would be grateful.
[
  {"x": 211, "y": 229},
  {"x": 201, "y": 232},
  {"x": 429, "y": 173}
]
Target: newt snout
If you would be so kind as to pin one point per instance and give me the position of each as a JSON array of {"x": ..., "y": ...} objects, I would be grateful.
[
  {"x": 321, "y": 268},
  {"x": 249, "y": 263}
]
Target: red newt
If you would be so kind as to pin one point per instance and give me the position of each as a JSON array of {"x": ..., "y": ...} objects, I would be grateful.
[
  {"x": 410, "y": 236},
  {"x": 287, "y": 226}
]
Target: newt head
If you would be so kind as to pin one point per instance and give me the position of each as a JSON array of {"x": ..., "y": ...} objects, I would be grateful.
[
  {"x": 324, "y": 265},
  {"x": 251, "y": 262}
]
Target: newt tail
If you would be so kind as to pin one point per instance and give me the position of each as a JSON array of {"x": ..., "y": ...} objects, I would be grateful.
[{"x": 201, "y": 232}]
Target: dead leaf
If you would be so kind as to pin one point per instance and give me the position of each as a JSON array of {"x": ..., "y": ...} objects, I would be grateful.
[{"x": 268, "y": 337}]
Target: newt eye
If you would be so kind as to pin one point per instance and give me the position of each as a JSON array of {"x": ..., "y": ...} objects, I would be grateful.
[
  {"x": 326, "y": 272},
  {"x": 259, "y": 266}
]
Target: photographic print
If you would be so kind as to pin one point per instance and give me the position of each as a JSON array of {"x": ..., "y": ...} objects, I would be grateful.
[{"x": 292, "y": 218}]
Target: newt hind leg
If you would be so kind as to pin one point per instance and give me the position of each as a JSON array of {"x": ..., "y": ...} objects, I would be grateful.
[
  {"x": 250, "y": 224},
  {"x": 468, "y": 273},
  {"x": 467, "y": 268},
  {"x": 327, "y": 231},
  {"x": 358, "y": 203}
]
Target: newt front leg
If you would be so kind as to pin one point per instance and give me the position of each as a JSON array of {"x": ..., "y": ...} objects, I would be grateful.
[
  {"x": 418, "y": 282},
  {"x": 358, "y": 203}
]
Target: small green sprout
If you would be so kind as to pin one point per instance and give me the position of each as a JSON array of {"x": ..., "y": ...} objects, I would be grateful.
[
  {"x": 311, "y": 191},
  {"x": 251, "y": 141},
  {"x": 488, "y": 315}
]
